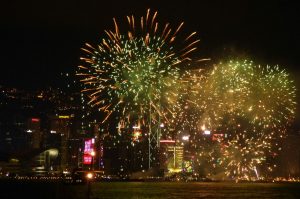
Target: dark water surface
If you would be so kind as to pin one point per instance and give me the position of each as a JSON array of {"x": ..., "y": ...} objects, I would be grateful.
[{"x": 151, "y": 190}]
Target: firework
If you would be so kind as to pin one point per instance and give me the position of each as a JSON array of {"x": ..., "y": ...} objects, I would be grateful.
[
  {"x": 187, "y": 116},
  {"x": 247, "y": 108},
  {"x": 263, "y": 95},
  {"x": 132, "y": 74}
]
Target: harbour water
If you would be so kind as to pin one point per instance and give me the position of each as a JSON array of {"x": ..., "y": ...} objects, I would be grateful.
[{"x": 149, "y": 190}]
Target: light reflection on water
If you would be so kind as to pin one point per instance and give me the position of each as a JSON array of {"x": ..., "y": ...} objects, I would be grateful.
[
  {"x": 145, "y": 190},
  {"x": 148, "y": 190}
]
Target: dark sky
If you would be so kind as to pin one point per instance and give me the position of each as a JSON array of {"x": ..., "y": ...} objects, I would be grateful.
[{"x": 41, "y": 39}]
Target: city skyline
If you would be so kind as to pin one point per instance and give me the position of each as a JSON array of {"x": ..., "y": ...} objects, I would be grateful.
[{"x": 240, "y": 108}]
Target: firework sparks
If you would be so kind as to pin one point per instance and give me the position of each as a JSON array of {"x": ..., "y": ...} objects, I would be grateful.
[
  {"x": 128, "y": 72},
  {"x": 248, "y": 108}
]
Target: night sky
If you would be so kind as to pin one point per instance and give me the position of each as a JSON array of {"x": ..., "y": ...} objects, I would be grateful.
[{"x": 41, "y": 39}]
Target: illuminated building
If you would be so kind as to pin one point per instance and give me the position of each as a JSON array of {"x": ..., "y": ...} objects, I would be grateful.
[
  {"x": 34, "y": 130},
  {"x": 61, "y": 125},
  {"x": 88, "y": 152},
  {"x": 171, "y": 156},
  {"x": 45, "y": 162}
]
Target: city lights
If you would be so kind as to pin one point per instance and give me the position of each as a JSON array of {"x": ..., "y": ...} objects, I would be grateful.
[{"x": 145, "y": 104}]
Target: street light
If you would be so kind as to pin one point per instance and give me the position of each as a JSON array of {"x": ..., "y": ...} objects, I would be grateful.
[{"x": 89, "y": 176}]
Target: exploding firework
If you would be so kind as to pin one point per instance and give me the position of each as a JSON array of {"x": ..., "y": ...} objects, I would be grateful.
[
  {"x": 264, "y": 95},
  {"x": 134, "y": 74},
  {"x": 187, "y": 117},
  {"x": 247, "y": 108}
]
